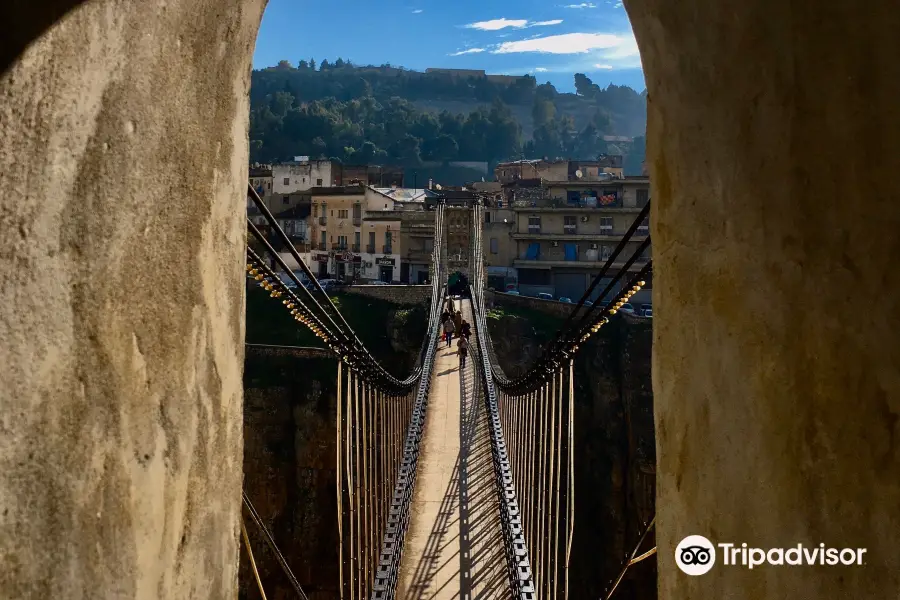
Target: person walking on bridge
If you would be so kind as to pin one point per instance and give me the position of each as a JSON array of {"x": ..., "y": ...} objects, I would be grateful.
[
  {"x": 448, "y": 332},
  {"x": 457, "y": 321},
  {"x": 462, "y": 349},
  {"x": 465, "y": 330}
]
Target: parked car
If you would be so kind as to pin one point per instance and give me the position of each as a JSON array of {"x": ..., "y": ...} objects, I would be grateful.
[
  {"x": 377, "y": 282},
  {"x": 628, "y": 308},
  {"x": 328, "y": 284},
  {"x": 647, "y": 312},
  {"x": 565, "y": 299},
  {"x": 545, "y": 296},
  {"x": 588, "y": 303},
  {"x": 513, "y": 292}
]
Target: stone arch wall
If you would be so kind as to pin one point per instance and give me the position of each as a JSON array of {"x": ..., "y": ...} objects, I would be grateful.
[
  {"x": 123, "y": 135},
  {"x": 123, "y": 158}
]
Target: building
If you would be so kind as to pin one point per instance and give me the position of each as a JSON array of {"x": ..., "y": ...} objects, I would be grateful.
[
  {"x": 499, "y": 246},
  {"x": 335, "y": 231},
  {"x": 605, "y": 167},
  {"x": 566, "y": 230},
  {"x": 417, "y": 241},
  {"x": 375, "y": 175},
  {"x": 301, "y": 174},
  {"x": 295, "y": 223},
  {"x": 356, "y": 232},
  {"x": 261, "y": 179}
]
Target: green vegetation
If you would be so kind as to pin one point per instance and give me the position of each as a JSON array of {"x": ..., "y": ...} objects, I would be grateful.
[
  {"x": 269, "y": 322},
  {"x": 386, "y": 115},
  {"x": 543, "y": 326}
]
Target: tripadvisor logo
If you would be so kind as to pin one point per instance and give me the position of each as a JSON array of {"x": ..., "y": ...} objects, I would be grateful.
[{"x": 696, "y": 555}]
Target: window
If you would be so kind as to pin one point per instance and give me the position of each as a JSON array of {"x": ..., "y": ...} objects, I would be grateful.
[
  {"x": 318, "y": 182},
  {"x": 487, "y": 217},
  {"x": 606, "y": 225},
  {"x": 324, "y": 240},
  {"x": 304, "y": 180},
  {"x": 342, "y": 214},
  {"x": 644, "y": 227},
  {"x": 570, "y": 224},
  {"x": 356, "y": 241},
  {"x": 643, "y": 196},
  {"x": 534, "y": 224},
  {"x": 495, "y": 245},
  {"x": 286, "y": 200},
  {"x": 287, "y": 181},
  {"x": 371, "y": 241},
  {"x": 605, "y": 251},
  {"x": 315, "y": 210},
  {"x": 342, "y": 241},
  {"x": 429, "y": 245}
]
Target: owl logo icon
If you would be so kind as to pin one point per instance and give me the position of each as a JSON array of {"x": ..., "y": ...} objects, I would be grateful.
[{"x": 695, "y": 555}]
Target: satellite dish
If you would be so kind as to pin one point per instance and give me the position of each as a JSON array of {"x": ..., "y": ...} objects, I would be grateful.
[{"x": 579, "y": 174}]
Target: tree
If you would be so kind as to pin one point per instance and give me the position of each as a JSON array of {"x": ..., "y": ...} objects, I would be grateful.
[
  {"x": 406, "y": 151},
  {"x": 303, "y": 65},
  {"x": 542, "y": 112},
  {"x": 324, "y": 66},
  {"x": 284, "y": 65},
  {"x": 443, "y": 148},
  {"x": 339, "y": 63},
  {"x": 583, "y": 85},
  {"x": 312, "y": 64}
]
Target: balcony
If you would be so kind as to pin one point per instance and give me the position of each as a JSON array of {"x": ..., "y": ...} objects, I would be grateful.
[
  {"x": 387, "y": 249},
  {"x": 342, "y": 246},
  {"x": 370, "y": 248},
  {"x": 570, "y": 229},
  {"x": 355, "y": 248},
  {"x": 357, "y": 221},
  {"x": 534, "y": 229},
  {"x": 323, "y": 220},
  {"x": 604, "y": 235}
]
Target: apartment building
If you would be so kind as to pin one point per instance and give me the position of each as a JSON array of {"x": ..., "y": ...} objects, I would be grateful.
[
  {"x": 605, "y": 167},
  {"x": 499, "y": 245},
  {"x": 566, "y": 230},
  {"x": 300, "y": 175},
  {"x": 335, "y": 231}
]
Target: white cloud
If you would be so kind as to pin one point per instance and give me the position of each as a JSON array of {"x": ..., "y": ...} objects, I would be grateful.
[
  {"x": 541, "y": 69},
  {"x": 498, "y": 24},
  {"x": 582, "y": 5},
  {"x": 418, "y": 11},
  {"x": 604, "y": 67},
  {"x": 469, "y": 51},
  {"x": 618, "y": 46}
]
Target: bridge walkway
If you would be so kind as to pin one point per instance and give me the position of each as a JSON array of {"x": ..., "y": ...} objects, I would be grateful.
[{"x": 454, "y": 546}]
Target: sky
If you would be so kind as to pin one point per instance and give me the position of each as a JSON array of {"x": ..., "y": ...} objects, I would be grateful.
[{"x": 548, "y": 39}]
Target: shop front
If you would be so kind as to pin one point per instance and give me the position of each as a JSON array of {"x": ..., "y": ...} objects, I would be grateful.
[{"x": 385, "y": 267}]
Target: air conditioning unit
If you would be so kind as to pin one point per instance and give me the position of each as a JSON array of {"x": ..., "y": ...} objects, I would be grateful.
[
  {"x": 594, "y": 246},
  {"x": 554, "y": 244},
  {"x": 584, "y": 219}
]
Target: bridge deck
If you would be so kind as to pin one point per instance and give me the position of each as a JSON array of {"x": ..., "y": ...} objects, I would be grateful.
[{"x": 454, "y": 546}]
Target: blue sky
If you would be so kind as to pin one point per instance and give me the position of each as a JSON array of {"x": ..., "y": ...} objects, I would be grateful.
[{"x": 550, "y": 40}]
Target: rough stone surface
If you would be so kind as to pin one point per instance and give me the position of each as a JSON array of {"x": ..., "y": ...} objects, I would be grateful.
[
  {"x": 773, "y": 152},
  {"x": 123, "y": 158}
]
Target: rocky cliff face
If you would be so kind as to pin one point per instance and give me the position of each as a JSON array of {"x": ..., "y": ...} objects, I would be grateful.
[
  {"x": 289, "y": 439},
  {"x": 614, "y": 443}
]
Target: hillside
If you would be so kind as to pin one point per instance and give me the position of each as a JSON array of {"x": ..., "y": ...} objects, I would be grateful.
[{"x": 388, "y": 114}]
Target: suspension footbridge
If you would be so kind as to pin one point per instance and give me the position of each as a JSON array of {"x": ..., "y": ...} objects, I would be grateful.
[{"x": 454, "y": 481}]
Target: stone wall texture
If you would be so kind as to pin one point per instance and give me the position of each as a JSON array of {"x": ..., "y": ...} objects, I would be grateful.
[
  {"x": 773, "y": 155},
  {"x": 123, "y": 160}
]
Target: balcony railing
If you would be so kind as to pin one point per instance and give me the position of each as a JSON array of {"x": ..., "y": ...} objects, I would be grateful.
[
  {"x": 323, "y": 220},
  {"x": 387, "y": 249},
  {"x": 357, "y": 221},
  {"x": 339, "y": 246},
  {"x": 570, "y": 229},
  {"x": 370, "y": 248},
  {"x": 355, "y": 248},
  {"x": 534, "y": 229}
]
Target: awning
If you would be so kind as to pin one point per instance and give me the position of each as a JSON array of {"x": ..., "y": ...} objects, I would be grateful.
[{"x": 502, "y": 271}]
